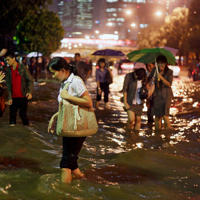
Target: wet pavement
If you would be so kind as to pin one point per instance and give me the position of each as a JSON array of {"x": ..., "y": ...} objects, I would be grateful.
[{"x": 118, "y": 164}]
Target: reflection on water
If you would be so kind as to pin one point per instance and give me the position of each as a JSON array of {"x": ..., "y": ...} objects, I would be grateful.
[{"x": 118, "y": 164}]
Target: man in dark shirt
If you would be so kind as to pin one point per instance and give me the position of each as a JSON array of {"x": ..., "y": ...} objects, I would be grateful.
[{"x": 19, "y": 83}]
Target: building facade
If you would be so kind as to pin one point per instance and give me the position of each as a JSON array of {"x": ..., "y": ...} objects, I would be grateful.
[
  {"x": 113, "y": 19},
  {"x": 76, "y": 16},
  {"x": 128, "y": 17}
]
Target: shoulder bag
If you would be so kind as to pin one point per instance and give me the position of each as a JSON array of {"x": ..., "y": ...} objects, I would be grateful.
[{"x": 74, "y": 120}]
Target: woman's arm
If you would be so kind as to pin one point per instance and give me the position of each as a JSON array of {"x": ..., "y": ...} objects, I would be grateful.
[
  {"x": 98, "y": 85},
  {"x": 125, "y": 89},
  {"x": 125, "y": 101},
  {"x": 109, "y": 70},
  {"x": 51, "y": 126},
  {"x": 151, "y": 75},
  {"x": 166, "y": 82},
  {"x": 85, "y": 99},
  {"x": 97, "y": 79}
]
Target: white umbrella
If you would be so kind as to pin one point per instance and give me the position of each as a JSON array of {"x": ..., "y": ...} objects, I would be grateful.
[
  {"x": 34, "y": 54},
  {"x": 172, "y": 50}
]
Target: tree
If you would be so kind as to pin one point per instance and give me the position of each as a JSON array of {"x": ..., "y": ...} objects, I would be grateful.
[
  {"x": 40, "y": 32},
  {"x": 173, "y": 33},
  {"x": 150, "y": 37},
  {"x": 13, "y": 11},
  {"x": 175, "y": 30},
  {"x": 194, "y": 13},
  {"x": 194, "y": 27},
  {"x": 194, "y": 40}
]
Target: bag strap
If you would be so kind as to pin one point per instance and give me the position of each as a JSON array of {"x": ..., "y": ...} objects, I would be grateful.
[{"x": 66, "y": 86}]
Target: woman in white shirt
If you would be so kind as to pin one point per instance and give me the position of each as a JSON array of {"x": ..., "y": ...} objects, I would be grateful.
[{"x": 76, "y": 94}]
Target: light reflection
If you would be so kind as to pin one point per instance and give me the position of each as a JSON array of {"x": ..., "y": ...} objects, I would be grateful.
[
  {"x": 181, "y": 115},
  {"x": 173, "y": 111},
  {"x": 163, "y": 136},
  {"x": 4, "y": 190},
  {"x": 195, "y": 104},
  {"x": 141, "y": 133},
  {"x": 139, "y": 145}
]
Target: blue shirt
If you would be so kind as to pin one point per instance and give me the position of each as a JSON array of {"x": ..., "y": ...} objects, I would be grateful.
[{"x": 101, "y": 75}]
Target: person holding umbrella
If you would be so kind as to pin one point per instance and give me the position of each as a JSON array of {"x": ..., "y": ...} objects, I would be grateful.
[
  {"x": 162, "y": 95},
  {"x": 103, "y": 78}
]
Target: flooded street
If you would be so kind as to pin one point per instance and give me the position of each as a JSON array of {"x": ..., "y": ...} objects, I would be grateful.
[{"x": 118, "y": 164}]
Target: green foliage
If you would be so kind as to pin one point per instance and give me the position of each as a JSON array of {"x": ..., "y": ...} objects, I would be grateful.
[
  {"x": 41, "y": 32},
  {"x": 12, "y": 11},
  {"x": 194, "y": 27},
  {"x": 194, "y": 39},
  {"x": 175, "y": 29},
  {"x": 176, "y": 32}
]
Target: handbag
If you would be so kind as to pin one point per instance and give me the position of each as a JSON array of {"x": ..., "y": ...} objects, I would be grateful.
[
  {"x": 74, "y": 120},
  {"x": 108, "y": 78},
  {"x": 143, "y": 93}
]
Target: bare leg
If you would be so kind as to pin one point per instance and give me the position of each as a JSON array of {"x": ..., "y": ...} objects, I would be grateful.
[
  {"x": 158, "y": 123},
  {"x": 78, "y": 174},
  {"x": 138, "y": 123},
  {"x": 97, "y": 105},
  {"x": 107, "y": 105},
  {"x": 66, "y": 175},
  {"x": 131, "y": 119},
  {"x": 167, "y": 122}
]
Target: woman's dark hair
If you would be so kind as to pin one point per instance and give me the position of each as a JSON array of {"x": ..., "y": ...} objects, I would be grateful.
[
  {"x": 140, "y": 73},
  {"x": 101, "y": 60},
  {"x": 161, "y": 59},
  {"x": 83, "y": 69},
  {"x": 59, "y": 63}
]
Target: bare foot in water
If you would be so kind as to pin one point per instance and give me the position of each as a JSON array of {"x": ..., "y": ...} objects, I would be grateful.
[
  {"x": 78, "y": 174},
  {"x": 66, "y": 175}
]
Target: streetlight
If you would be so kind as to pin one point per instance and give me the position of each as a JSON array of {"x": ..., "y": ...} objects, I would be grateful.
[
  {"x": 87, "y": 37},
  {"x": 158, "y": 13},
  {"x": 133, "y": 25},
  {"x": 109, "y": 24},
  {"x": 128, "y": 12}
]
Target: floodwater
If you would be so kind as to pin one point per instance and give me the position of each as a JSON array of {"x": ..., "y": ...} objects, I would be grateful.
[{"x": 119, "y": 165}]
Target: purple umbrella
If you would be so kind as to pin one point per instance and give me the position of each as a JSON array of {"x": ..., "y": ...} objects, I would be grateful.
[{"x": 108, "y": 52}]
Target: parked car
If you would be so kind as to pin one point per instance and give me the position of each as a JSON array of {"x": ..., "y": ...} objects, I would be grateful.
[{"x": 176, "y": 70}]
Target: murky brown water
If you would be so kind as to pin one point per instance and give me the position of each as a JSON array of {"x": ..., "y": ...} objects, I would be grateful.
[{"x": 118, "y": 164}]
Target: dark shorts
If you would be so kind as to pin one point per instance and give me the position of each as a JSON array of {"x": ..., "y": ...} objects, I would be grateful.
[{"x": 137, "y": 109}]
